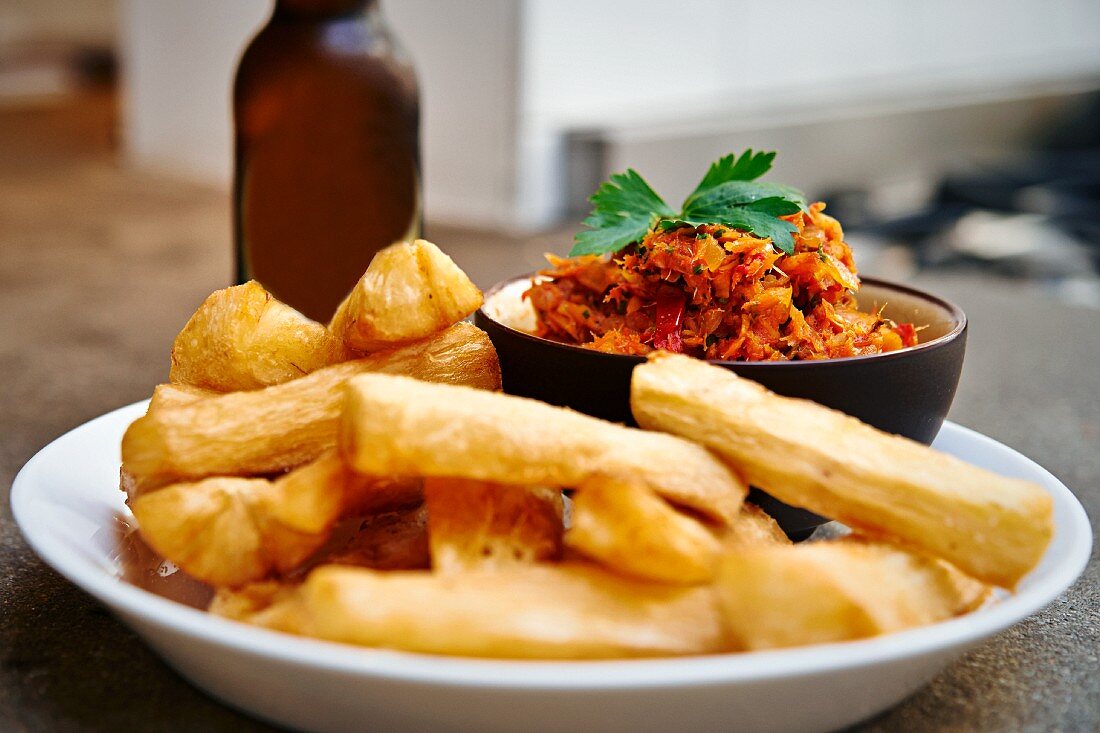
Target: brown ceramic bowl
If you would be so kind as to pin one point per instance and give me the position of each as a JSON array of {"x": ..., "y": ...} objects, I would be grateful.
[{"x": 907, "y": 392}]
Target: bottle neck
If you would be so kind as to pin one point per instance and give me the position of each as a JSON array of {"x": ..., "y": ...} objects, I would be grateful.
[{"x": 319, "y": 9}]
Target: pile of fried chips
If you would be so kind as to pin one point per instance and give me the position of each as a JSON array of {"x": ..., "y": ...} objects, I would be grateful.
[{"x": 367, "y": 482}]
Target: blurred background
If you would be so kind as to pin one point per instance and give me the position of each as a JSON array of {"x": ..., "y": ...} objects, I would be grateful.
[{"x": 949, "y": 136}]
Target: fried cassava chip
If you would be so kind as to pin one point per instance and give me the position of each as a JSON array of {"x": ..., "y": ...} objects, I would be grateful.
[
  {"x": 753, "y": 527},
  {"x": 630, "y": 529},
  {"x": 473, "y": 523},
  {"x": 992, "y": 527},
  {"x": 286, "y": 425},
  {"x": 172, "y": 395},
  {"x": 537, "y": 611},
  {"x": 229, "y": 530},
  {"x": 822, "y": 592},
  {"x": 408, "y": 292},
  {"x": 397, "y": 426},
  {"x": 244, "y": 338}
]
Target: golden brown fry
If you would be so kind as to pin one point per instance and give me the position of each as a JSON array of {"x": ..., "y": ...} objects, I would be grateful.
[
  {"x": 822, "y": 592},
  {"x": 408, "y": 292},
  {"x": 269, "y": 603},
  {"x": 971, "y": 594},
  {"x": 219, "y": 530},
  {"x": 165, "y": 396},
  {"x": 229, "y": 530},
  {"x": 244, "y": 603},
  {"x": 517, "y": 611},
  {"x": 396, "y": 540},
  {"x": 286, "y": 425},
  {"x": 128, "y": 483},
  {"x": 753, "y": 527},
  {"x": 630, "y": 529},
  {"x": 172, "y": 395},
  {"x": 474, "y": 523},
  {"x": 992, "y": 527},
  {"x": 243, "y": 338},
  {"x": 396, "y": 426},
  {"x": 311, "y": 495}
]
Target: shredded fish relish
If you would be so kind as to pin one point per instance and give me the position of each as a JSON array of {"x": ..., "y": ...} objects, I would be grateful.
[{"x": 717, "y": 293}]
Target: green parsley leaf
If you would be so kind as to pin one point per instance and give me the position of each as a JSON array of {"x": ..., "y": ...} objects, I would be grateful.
[
  {"x": 740, "y": 193},
  {"x": 623, "y": 210},
  {"x": 776, "y": 205},
  {"x": 748, "y": 167},
  {"x": 755, "y": 222},
  {"x": 758, "y": 216},
  {"x": 762, "y": 224}
]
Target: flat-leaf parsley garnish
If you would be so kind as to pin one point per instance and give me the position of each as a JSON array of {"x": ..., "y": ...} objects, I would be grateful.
[{"x": 625, "y": 208}]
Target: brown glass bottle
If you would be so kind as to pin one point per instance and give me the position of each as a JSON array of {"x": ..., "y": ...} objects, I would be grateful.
[{"x": 327, "y": 121}]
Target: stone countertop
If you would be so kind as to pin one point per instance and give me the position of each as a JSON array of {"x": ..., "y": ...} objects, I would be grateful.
[{"x": 94, "y": 286}]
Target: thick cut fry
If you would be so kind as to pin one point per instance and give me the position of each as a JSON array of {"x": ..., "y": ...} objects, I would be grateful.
[
  {"x": 629, "y": 529},
  {"x": 243, "y": 338},
  {"x": 991, "y": 527},
  {"x": 230, "y": 530},
  {"x": 165, "y": 396},
  {"x": 245, "y": 602},
  {"x": 396, "y": 426},
  {"x": 408, "y": 292},
  {"x": 516, "y": 611},
  {"x": 269, "y": 603},
  {"x": 473, "y": 523},
  {"x": 129, "y": 484},
  {"x": 753, "y": 527},
  {"x": 220, "y": 530},
  {"x": 396, "y": 540},
  {"x": 279, "y": 427},
  {"x": 835, "y": 591},
  {"x": 172, "y": 395},
  {"x": 311, "y": 495}
]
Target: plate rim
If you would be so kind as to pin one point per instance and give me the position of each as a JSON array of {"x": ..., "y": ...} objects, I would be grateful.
[{"x": 129, "y": 601}]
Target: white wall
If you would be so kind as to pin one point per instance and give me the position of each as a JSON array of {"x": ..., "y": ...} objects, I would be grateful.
[
  {"x": 178, "y": 60},
  {"x": 907, "y": 148},
  {"x": 504, "y": 80},
  {"x": 466, "y": 54},
  {"x": 596, "y": 62},
  {"x": 846, "y": 89}
]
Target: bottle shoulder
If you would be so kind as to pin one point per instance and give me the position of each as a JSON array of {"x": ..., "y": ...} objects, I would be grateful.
[{"x": 358, "y": 53}]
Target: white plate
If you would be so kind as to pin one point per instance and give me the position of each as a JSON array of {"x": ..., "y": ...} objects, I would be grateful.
[{"x": 66, "y": 500}]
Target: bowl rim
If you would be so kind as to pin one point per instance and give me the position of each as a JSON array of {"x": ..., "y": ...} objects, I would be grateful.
[
  {"x": 957, "y": 315},
  {"x": 144, "y": 610}
]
